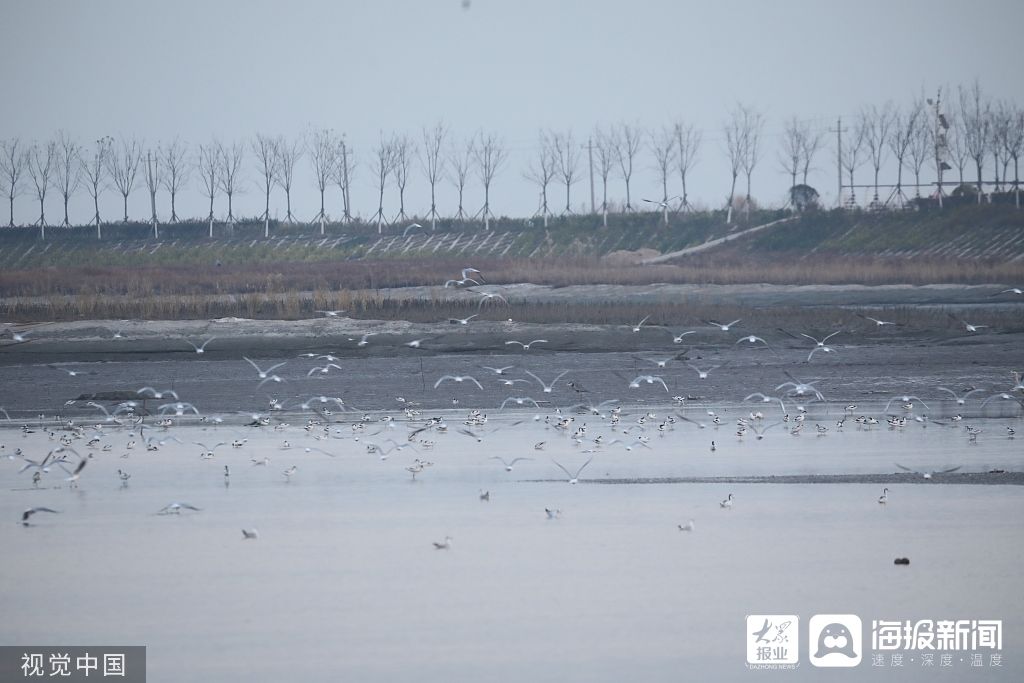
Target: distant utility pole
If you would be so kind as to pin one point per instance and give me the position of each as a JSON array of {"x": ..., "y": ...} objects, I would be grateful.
[
  {"x": 939, "y": 135},
  {"x": 344, "y": 171},
  {"x": 839, "y": 158},
  {"x": 590, "y": 157}
]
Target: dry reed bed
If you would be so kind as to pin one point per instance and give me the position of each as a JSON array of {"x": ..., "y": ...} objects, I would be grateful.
[{"x": 240, "y": 278}]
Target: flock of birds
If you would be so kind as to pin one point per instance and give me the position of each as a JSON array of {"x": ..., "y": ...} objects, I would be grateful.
[{"x": 565, "y": 407}]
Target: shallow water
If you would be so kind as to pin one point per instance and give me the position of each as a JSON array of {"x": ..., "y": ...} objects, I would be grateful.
[{"x": 344, "y": 583}]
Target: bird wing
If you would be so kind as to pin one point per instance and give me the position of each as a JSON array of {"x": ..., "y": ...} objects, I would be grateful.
[
  {"x": 583, "y": 467},
  {"x": 905, "y": 469},
  {"x": 951, "y": 469},
  {"x": 567, "y": 472}
]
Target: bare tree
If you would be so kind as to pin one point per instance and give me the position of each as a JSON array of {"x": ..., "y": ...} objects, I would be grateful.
[
  {"x": 383, "y": 165},
  {"x": 433, "y": 163},
  {"x": 688, "y": 140},
  {"x": 489, "y": 153},
  {"x": 663, "y": 147},
  {"x": 877, "y": 123},
  {"x": 405, "y": 150},
  {"x": 733, "y": 132},
  {"x": 901, "y": 135},
  {"x": 542, "y": 171},
  {"x": 852, "y": 157},
  {"x": 919, "y": 148},
  {"x": 288, "y": 155},
  {"x": 605, "y": 146},
  {"x": 791, "y": 152},
  {"x": 12, "y": 169},
  {"x": 344, "y": 171},
  {"x": 461, "y": 162},
  {"x": 957, "y": 146},
  {"x": 94, "y": 169},
  {"x": 40, "y": 169},
  {"x": 268, "y": 160},
  {"x": 229, "y": 174},
  {"x": 208, "y": 164},
  {"x": 974, "y": 110},
  {"x": 122, "y": 166},
  {"x": 322, "y": 145},
  {"x": 67, "y": 176},
  {"x": 1014, "y": 145},
  {"x": 174, "y": 159},
  {"x": 627, "y": 139},
  {"x": 567, "y": 162},
  {"x": 753, "y": 124},
  {"x": 1001, "y": 116},
  {"x": 812, "y": 145},
  {"x": 152, "y": 173}
]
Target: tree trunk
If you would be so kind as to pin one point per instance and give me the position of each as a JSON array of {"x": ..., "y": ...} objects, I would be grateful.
[
  {"x": 125, "y": 206},
  {"x": 152, "y": 206},
  {"x": 980, "y": 191},
  {"x": 732, "y": 196},
  {"x": 174, "y": 214},
  {"x": 67, "y": 223}
]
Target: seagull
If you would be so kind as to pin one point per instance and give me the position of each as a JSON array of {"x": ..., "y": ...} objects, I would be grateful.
[
  {"x": 176, "y": 508},
  {"x": 547, "y": 387},
  {"x": 753, "y": 339},
  {"x": 663, "y": 203},
  {"x": 879, "y": 323},
  {"x": 463, "y": 281},
  {"x": 905, "y": 400},
  {"x": 1011, "y": 290},
  {"x": 364, "y": 340},
  {"x": 526, "y": 347},
  {"x": 820, "y": 342},
  {"x": 446, "y": 544},
  {"x": 884, "y": 498},
  {"x": 416, "y": 343},
  {"x": 208, "y": 451},
  {"x": 411, "y": 226},
  {"x": 498, "y": 371},
  {"x": 489, "y": 296},
  {"x": 928, "y": 475},
  {"x": 960, "y": 399},
  {"x": 166, "y": 393},
  {"x": 462, "y": 321},
  {"x": 767, "y": 399},
  {"x": 967, "y": 326},
  {"x": 552, "y": 513},
  {"x": 573, "y": 478},
  {"x": 331, "y": 314},
  {"x": 263, "y": 374},
  {"x": 71, "y": 373},
  {"x": 508, "y": 464},
  {"x": 250, "y": 534},
  {"x": 458, "y": 379},
  {"x": 519, "y": 401},
  {"x": 723, "y": 328},
  {"x": 648, "y": 379},
  {"x": 727, "y": 503},
  {"x": 466, "y": 272},
  {"x": 200, "y": 349},
  {"x": 289, "y": 472},
  {"x": 702, "y": 374},
  {"x": 636, "y": 328},
  {"x": 18, "y": 336},
  {"x": 824, "y": 349},
  {"x": 31, "y": 511},
  {"x": 1004, "y": 396},
  {"x": 686, "y": 527},
  {"x": 678, "y": 338}
]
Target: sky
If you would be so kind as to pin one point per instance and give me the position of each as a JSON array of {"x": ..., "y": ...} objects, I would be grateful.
[{"x": 229, "y": 69}]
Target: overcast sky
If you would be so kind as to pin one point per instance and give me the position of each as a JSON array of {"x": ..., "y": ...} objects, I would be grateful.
[{"x": 199, "y": 69}]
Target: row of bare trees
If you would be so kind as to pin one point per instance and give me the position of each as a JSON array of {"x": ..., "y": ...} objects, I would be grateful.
[{"x": 969, "y": 130}]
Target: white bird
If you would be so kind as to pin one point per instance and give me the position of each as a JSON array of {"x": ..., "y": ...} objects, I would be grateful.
[
  {"x": 462, "y": 321},
  {"x": 877, "y": 322},
  {"x": 489, "y": 296},
  {"x": 905, "y": 399},
  {"x": 573, "y": 478},
  {"x": 331, "y": 314},
  {"x": 767, "y": 399},
  {"x": 526, "y": 347},
  {"x": 364, "y": 340},
  {"x": 200, "y": 349},
  {"x": 727, "y": 503},
  {"x": 968, "y": 326},
  {"x": 678, "y": 338},
  {"x": 689, "y": 526},
  {"x": 446, "y": 544},
  {"x": 929, "y": 475},
  {"x": 820, "y": 342},
  {"x": 153, "y": 393},
  {"x": 552, "y": 513},
  {"x": 411, "y": 226},
  {"x": 250, "y": 534},
  {"x": 289, "y": 472},
  {"x": 636, "y": 328},
  {"x": 519, "y": 401},
  {"x": 466, "y": 272},
  {"x": 176, "y": 508},
  {"x": 702, "y": 374},
  {"x": 548, "y": 388},
  {"x": 1004, "y": 396},
  {"x": 884, "y": 498},
  {"x": 71, "y": 373},
  {"x": 463, "y": 281},
  {"x": 263, "y": 374},
  {"x": 823, "y": 349},
  {"x": 723, "y": 328},
  {"x": 648, "y": 379},
  {"x": 416, "y": 343},
  {"x": 962, "y": 398},
  {"x": 662, "y": 203},
  {"x": 459, "y": 379},
  {"x": 753, "y": 339},
  {"x": 508, "y": 463},
  {"x": 1011, "y": 290},
  {"x": 498, "y": 371}
]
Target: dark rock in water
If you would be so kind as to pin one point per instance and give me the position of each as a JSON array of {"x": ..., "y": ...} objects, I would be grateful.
[{"x": 901, "y": 560}]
